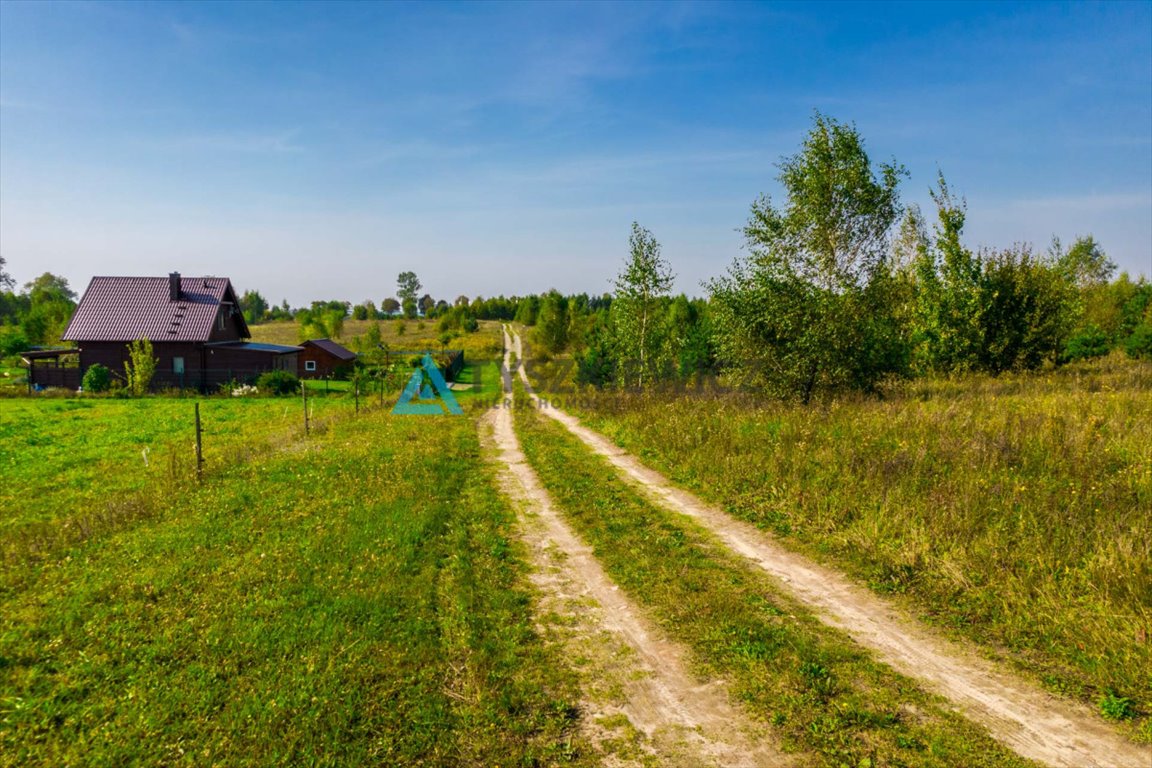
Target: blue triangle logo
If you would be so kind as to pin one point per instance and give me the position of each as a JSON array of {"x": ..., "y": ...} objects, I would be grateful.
[{"x": 420, "y": 386}]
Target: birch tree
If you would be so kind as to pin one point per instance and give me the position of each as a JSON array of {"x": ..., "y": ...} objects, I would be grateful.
[
  {"x": 810, "y": 308},
  {"x": 645, "y": 281}
]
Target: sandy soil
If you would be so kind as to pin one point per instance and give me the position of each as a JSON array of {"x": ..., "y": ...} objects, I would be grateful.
[
  {"x": 1032, "y": 722},
  {"x": 640, "y": 675}
]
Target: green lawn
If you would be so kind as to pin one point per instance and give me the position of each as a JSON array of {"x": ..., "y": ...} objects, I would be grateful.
[
  {"x": 71, "y": 463},
  {"x": 356, "y": 599}
]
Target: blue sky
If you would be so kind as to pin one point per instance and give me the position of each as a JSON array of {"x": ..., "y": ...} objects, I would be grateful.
[{"x": 317, "y": 150}]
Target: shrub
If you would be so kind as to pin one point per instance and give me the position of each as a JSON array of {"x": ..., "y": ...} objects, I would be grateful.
[
  {"x": 97, "y": 379},
  {"x": 1139, "y": 344},
  {"x": 12, "y": 340},
  {"x": 1116, "y": 707},
  {"x": 1088, "y": 343},
  {"x": 141, "y": 366},
  {"x": 278, "y": 383}
]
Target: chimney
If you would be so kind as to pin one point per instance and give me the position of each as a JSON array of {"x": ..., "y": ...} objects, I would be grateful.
[{"x": 174, "y": 286}]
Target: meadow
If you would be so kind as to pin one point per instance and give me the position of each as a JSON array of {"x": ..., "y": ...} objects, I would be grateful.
[
  {"x": 828, "y": 700},
  {"x": 1015, "y": 511},
  {"x": 353, "y": 597},
  {"x": 397, "y": 334}
]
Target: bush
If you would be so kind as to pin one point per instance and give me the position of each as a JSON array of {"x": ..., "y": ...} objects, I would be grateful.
[
  {"x": 1088, "y": 343},
  {"x": 1139, "y": 344},
  {"x": 278, "y": 383},
  {"x": 12, "y": 340},
  {"x": 97, "y": 379},
  {"x": 141, "y": 366},
  {"x": 1116, "y": 707}
]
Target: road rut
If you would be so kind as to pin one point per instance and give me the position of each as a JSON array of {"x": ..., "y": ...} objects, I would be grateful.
[{"x": 686, "y": 722}]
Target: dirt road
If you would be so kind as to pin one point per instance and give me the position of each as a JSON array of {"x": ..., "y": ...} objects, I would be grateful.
[
  {"x": 1032, "y": 722},
  {"x": 684, "y": 721}
]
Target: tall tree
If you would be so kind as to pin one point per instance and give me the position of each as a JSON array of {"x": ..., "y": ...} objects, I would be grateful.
[
  {"x": 407, "y": 286},
  {"x": 810, "y": 307},
  {"x": 947, "y": 327},
  {"x": 254, "y": 306},
  {"x": 645, "y": 281},
  {"x": 552, "y": 322},
  {"x": 49, "y": 285},
  {"x": 6, "y": 281},
  {"x": 1084, "y": 264}
]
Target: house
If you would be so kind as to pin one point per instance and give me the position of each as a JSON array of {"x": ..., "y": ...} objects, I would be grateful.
[
  {"x": 197, "y": 331},
  {"x": 324, "y": 358}
]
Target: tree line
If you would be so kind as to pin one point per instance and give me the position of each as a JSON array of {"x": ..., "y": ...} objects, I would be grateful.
[
  {"x": 36, "y": 315},
  {"x": 844, "y": 287},
  {"x": 841, "y": 287}
]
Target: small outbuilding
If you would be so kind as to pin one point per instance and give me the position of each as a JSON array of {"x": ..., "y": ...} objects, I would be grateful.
[{"x": 324, "y": 358}]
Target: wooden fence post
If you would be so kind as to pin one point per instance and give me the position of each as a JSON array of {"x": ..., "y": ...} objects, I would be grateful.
[
  {"x": 304, "y": 392},
  {"x": 199, "y": 447}
]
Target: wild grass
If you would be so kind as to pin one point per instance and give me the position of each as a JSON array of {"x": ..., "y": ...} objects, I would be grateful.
[
  {"x": 355, "y": 601},
  {"x": 1015, "y": 511},
  {"x": 825, "y": 697}
]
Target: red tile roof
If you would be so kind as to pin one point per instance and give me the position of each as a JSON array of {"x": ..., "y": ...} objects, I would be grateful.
[
  {"x": 331, "y": 348},
  {"x": 130, "y": 308}
]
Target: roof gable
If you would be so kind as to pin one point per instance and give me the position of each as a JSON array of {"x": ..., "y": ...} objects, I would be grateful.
[
  {"x": 130, "y": 308},
  {"x": 331, "y": 347}
]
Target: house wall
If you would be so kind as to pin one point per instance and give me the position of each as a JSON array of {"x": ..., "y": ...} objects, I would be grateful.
[
  {"x": 223, "y": 365},
  {"x": 205, "y": 368},
  {"x": 231, "y": 329},
  {"x": 326, "y": 364},
  {"x": 114, "y": 355}
]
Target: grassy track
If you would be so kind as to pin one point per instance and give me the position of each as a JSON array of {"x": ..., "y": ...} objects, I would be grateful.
[
  {"x": 824, "y": 695},
  {"x": 354, "y": 602},
  {"x": 1016, "y": 511}
]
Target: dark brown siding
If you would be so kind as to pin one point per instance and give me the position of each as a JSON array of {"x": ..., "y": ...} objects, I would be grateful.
[
  {"x": 62, "y": 372},
  {"x": 243, "y": 366},
  {"x": 231, "y": 330},
  {"x": 327, "y": 364},
  {"x": 205, "y": 368}
]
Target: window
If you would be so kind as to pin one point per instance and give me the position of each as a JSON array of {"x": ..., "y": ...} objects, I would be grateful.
[
  {"x": 309, "y": 365},
  {"x": 178, "y": 366},
  {"x": 222, "y": 319}
]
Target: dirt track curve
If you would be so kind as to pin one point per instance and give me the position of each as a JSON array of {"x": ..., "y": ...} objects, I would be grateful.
[
  {"x": 1030, "y": 721},
  {"x": 686, "y": 722}
]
